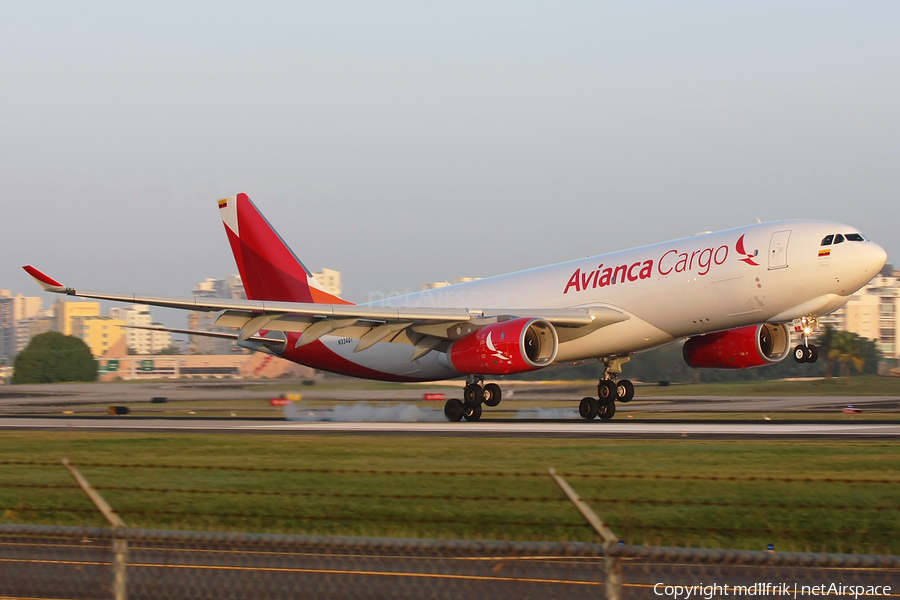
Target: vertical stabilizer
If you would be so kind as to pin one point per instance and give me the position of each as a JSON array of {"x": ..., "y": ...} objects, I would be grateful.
[{"x": 268, "y": 267}]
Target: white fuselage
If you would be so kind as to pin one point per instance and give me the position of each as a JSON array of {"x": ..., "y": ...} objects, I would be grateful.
[{"x": 770, "y": 272}]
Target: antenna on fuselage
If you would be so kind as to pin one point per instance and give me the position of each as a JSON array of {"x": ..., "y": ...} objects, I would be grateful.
[{"x": 757, "y": 220}]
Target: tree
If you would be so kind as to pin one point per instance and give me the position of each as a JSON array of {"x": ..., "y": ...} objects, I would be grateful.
[
  {"x": 169, "y": 350},
  {"x": 825, "y": 342},
  {"x": 53, "y": 357},
  {"x": 847, "y": 348}
]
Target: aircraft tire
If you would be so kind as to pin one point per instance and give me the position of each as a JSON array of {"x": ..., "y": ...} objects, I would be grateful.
[
  {"x": 473, "y": 394},
  {"x": 492, "y": 394},
  {"x": 588, "y": 408},
  {"x": 624, "y": 390},
  {"x": 473, "y": 413},
  {"x": 606, "y": 389},
  {"x": 801, "y": 354},
  {"x": 453, "y": 410},
  {"x": 813, "y": 354},
  {"x": 607, "y": 410}
]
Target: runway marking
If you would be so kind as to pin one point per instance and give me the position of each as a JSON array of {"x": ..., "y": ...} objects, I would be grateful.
[
  {"x": 375, "y": 573},
  {"x": 347, "y": 572},
  {"x": 39, "y": 561},
  {"x": 135, "y": 547},
  {"x": 549, "y": 559},
  {"x": 575, "y": 427},
  {"x": 29, "y": 598}
]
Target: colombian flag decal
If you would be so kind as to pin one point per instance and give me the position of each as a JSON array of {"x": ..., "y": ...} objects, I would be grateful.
[
  {"x": 821, "y": 252},
  {"x": 224, "y": 203}
]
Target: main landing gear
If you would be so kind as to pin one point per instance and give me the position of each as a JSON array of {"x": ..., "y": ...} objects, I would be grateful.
[
  {"x": 609, "y": 389},
  {"x": 804, "y": 352},
  {"x": 474, "y": 395}
]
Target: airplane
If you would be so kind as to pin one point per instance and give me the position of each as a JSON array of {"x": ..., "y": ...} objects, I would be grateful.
[{"x": 735, "y": 296}]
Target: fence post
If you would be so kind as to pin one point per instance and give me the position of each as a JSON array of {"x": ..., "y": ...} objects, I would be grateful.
[
  {"x": 120, "y": 545},
  {"x": 612, "y": 564}
]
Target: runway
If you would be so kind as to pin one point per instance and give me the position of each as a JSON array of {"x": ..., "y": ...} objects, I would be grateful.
[
  {"x": 531, "y": 410},
  {"x": 491, "y": 428}
]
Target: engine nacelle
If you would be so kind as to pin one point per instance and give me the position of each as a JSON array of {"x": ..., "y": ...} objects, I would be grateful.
[
  {"x": 507, "y": 347},
  {"x": 744, "y": 348}
]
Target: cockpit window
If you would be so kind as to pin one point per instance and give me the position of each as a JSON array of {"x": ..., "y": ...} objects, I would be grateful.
[
  {"x": 838, "y": 239},
  {"x": 827, "y": 240},
  {"x": 855, "y": 237}
]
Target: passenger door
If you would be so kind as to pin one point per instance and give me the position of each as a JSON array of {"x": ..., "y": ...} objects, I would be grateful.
[{"x": 778, "y": 249}]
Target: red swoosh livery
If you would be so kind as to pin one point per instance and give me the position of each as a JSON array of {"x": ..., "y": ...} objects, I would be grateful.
[{"x": 748, "y": 258}]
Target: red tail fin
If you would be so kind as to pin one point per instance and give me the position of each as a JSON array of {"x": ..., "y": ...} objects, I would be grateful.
[{"x": 268, "y": 268}]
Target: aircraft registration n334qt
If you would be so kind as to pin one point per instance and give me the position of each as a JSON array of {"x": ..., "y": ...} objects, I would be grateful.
[{"x": 734, "y": 295}]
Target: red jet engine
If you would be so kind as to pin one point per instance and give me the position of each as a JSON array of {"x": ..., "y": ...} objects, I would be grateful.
[
  {"x": 743, "y": 348},
  {"x": 507, "y": 347}
]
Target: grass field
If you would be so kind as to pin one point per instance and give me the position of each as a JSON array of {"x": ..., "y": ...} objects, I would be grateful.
[{"x": 485, "y": 488}]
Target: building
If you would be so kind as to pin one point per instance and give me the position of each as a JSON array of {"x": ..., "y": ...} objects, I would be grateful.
[
  {"x": 24, "y": 307},
  {"x": 117, "y": 364},
  {"x": 7, "y": 328},
  {"x": 329, "y": 280},
  {"x": 433, "y": 285},
  {"x": 141, "y": 341},
  {"x": 64, "y": 312},
  {"x": 13, "y": 311},
  {"x": 28, "y": 328},
  {"x": 872, "y": 313},
  {"x": 231, "y": 287},
  {"x": 99, "y": 333}
]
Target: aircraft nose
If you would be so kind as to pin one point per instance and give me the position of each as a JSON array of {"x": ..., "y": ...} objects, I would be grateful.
[{"x": 875, "y": 256}]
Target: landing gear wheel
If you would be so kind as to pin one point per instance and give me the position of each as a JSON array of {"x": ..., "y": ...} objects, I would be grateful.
[
  {"x": 453, "y": 410},
  {"x": 492, "y": 394},
  {"x": 624, "y": 390},
  {"x": 607, "y": 410},
  {"x": 473, "y": 412},
  {"x": 606, "y": 389},
  {"x": 801, "y": 354},
  {"x": 813, "y": 354},
  {"x": 473, "y": 394},
  {"x": 588, "y": 408}
]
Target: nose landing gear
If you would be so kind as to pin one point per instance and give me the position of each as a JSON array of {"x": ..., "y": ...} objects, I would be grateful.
[{"x": 805, "y": 353}]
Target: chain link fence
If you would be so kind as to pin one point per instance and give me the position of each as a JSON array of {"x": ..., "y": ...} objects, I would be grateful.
[
  {"x": 74, "y": 562},
  {"x": 317, "y": 558}
]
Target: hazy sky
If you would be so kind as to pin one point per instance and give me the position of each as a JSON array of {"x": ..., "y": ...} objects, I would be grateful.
[{"x": 409, "y": 142}]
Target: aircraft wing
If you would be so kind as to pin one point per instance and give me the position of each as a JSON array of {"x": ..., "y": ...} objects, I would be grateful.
[
  {"x": 214, "y": 334},
  {"x": 418, "y": 326}
]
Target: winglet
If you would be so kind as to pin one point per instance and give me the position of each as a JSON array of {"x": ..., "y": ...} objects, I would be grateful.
[{"x": 45, "y": 281}]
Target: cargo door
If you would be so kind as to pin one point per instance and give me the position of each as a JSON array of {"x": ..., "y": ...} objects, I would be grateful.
[{"x": 778, "y": 249}]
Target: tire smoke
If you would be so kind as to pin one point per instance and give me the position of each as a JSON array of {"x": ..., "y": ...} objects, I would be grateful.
[{"x": 363, "y": 412}]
